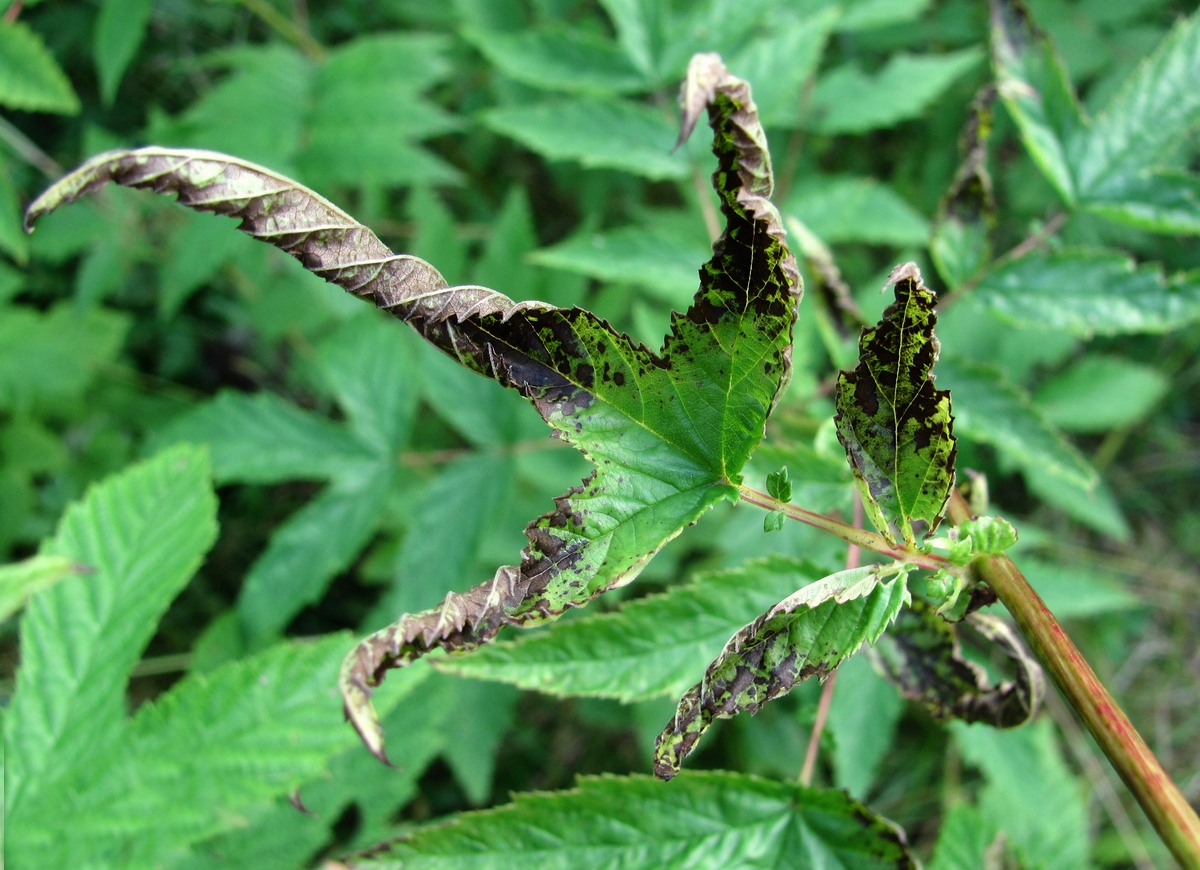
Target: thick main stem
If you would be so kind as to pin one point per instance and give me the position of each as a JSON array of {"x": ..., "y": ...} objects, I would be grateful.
[{"x": 1164, "y": 805}]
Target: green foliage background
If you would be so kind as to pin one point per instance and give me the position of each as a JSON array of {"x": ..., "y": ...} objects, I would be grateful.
[{"x": 526, "y": 146}]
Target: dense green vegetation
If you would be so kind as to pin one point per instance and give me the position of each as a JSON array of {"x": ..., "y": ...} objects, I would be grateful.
[{"x": 163, "y": 698}]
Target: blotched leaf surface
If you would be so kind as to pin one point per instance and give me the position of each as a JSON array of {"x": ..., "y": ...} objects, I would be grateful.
[
  {"x": 668, "y": 431},
  {"x": 923, "y": 657},
  {"x": 807, "y": 634},
  {"x": 702, "y": 820},
  {"x": 895, "y": 426}
]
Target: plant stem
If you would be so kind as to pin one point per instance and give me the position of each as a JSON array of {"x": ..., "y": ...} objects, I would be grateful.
[
  {"x": 848, "y": 533},
  {"x": 1164, "y": 805}
]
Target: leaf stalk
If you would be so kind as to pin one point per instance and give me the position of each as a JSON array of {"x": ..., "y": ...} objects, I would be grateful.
[{"x": 856, "y": 537}]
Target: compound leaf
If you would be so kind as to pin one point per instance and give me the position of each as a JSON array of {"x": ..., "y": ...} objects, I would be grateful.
[
  {"x": 704, "y": 819},
  {"x": 669, "y": 431},
  {"x": 895, "y": 426},
  {"x": 805, "y": 635}
]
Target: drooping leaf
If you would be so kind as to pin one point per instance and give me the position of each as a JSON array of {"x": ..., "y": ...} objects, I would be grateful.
[
  {"x": 30, "y": 78},
  {"x": 651, "y": 647},
  {"x": 669, "y": 431},
  {"x": 1089, "y": 292},
  {"x": 922, "y": 655},
  {"x": 20, "y": 580},
  {"x": 703, "y": 819},
  {"x": 805, "y": 635},
  {"x": 961, "y": 244},
  {"x": 894, "y": 424},
  {"x": 142, "y": 534}
]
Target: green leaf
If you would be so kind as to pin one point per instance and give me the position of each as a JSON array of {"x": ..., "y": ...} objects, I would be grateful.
[
  {"x": 597, "y": 133},
  {"x": 961, "y": 244},
  {"x": 634, "y": 255},
  {"x": 260, "y": 438},
  {"x": 846, "y": 208},
  {"x": 303, "y": 556},
  {"x": 1098, "y": 393},
  {"x": 922, "y": 656},
  {"x": 560, "y": 59},
  {"x": 1148, "y": 123},
  {"x": 51, "y": 357},
  {"x": 865, "y": 15},
  {"x": 371, "y": 373},
  {"x": 848, "y": 100},
  {"x": 991, "y": 410},
  {"x": 1158, "y": 200},
  {"x": 650, "y": 647},
  {"x": 779, "y": 485},
  {"x": 444, "y": 532},
  {"x": 1090, "y": 292},
  {"x": 1079, "y": 591},
  {"x": 366, "y": 113},
  {"x": 223, "y": 744},
  {"x": 863, "y": 716},
  {"x": 30, "y": 79},
  {"x": 21, "y": 580},
  {"x": 669, "y": 432},
  {"x": 703, "y": 819},
  {"x": 120, "y": 29},
  {"x": 895, "y": 425},
  {"x": 965, "y": 839},
  {"x": 1037, "y": 93},
  {"x": 1010, "y": 760},
  {"x": 12, "y": 241},
  {"x": 806, "y": 634},
  {"x": 142, "y": 534}
]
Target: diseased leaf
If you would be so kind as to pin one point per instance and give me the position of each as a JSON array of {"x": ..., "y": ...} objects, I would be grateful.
[
  {"x": 923, "y": 657},
  {"x": 1089, "y": 292},
  {"x": 651, "y": 647},
  {"x": 961, "y": 244},
  {"x": 805, "y": 635},
  {"x": 895, "y": 425},
  {"x": 704, "y": 819},
  {"x": 668, "y": 431}
]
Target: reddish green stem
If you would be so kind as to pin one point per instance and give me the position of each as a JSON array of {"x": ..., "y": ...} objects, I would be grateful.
[
  {"x": 1164, "y": 805},
  {"x": 848, "y": 533}
]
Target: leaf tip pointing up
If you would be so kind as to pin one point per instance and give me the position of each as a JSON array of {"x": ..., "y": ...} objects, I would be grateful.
[{"x": 705, "y": 72}]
